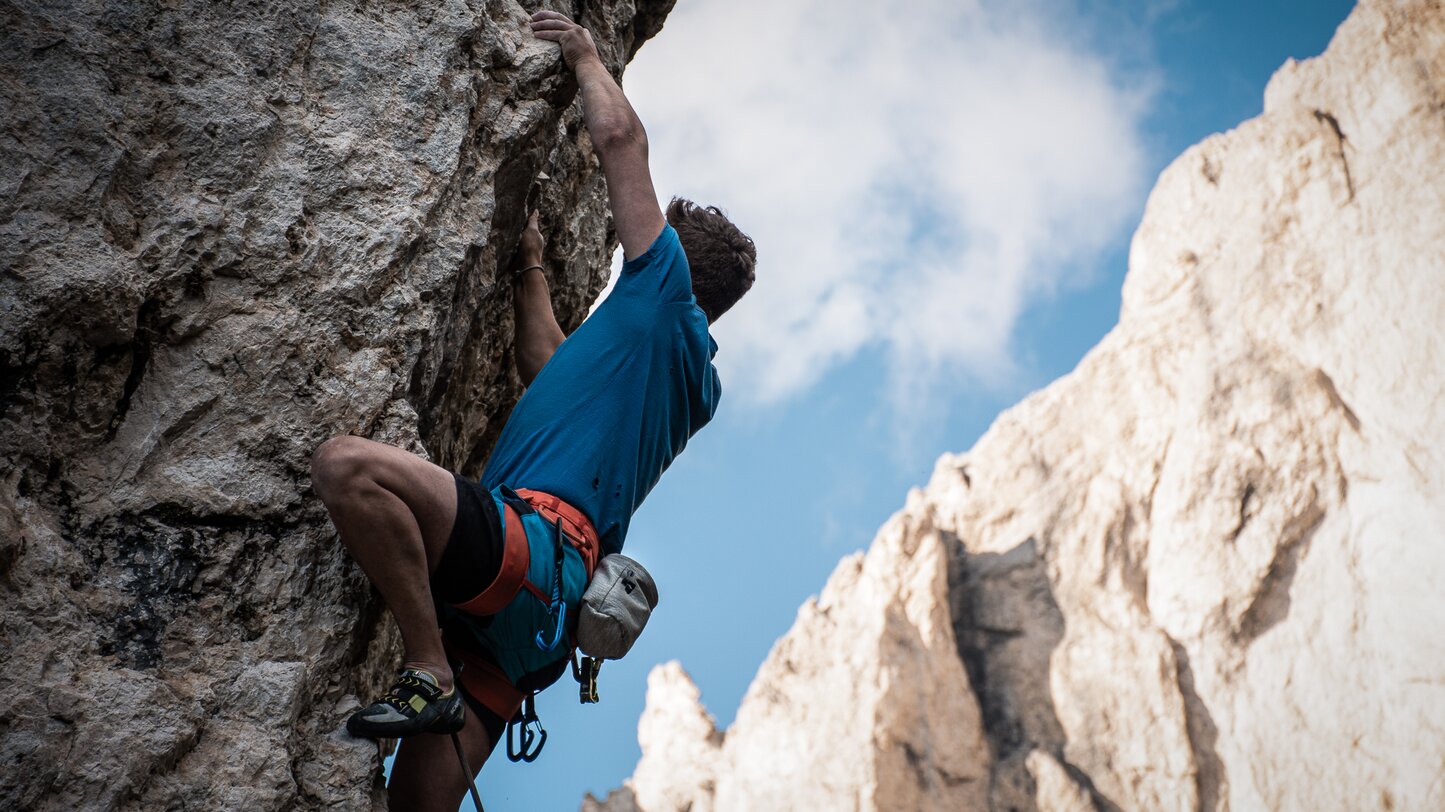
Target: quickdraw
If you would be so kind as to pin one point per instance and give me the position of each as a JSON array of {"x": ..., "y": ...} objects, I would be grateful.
[
  {"x": 526, "y": 719},
  {"x": 558, "y": 607}
]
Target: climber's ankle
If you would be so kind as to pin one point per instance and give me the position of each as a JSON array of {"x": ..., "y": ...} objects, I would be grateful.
[{"x": 441, "y": 671}]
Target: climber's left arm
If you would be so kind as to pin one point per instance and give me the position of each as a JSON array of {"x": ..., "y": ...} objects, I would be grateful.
[{"x": 616, "y": 131}]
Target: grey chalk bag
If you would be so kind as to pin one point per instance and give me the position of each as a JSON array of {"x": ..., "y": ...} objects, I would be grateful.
[{"x": 615, "y": 607}]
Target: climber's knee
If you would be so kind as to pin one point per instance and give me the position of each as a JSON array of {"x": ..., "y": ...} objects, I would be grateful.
[{"x": 338, "y": 464}]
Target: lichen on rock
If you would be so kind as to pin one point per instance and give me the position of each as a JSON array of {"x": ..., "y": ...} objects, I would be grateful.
[
  {"x": 1200, "y": 571},
  {"x": 229, "y": 232}
]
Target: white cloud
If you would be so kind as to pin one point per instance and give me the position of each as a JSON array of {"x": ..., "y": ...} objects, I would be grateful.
[{"x": 913, "y": 179}]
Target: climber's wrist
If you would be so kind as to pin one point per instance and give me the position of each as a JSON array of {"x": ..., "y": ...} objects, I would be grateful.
[{"x": 591, "y": 62}]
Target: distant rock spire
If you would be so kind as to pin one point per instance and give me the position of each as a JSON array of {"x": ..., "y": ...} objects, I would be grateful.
[{"x": 1200, "y": 572}]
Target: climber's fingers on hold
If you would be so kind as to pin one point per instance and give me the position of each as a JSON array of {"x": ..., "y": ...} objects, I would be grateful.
[
  {"x": 553, "y": 36},
  {"x": 531, "y": 242},
  {"x": 549, "y": 36},
  {"x": 551, "y": 15},
  {"x": 544, "y": 22},
  {"x": 550, "y": 27}
]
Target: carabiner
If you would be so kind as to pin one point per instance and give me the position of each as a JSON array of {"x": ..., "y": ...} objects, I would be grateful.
[
  {"x": 526, "y": 719},
  {"x": 556, "y": 635},
  {"x": 585, "y": 673}
]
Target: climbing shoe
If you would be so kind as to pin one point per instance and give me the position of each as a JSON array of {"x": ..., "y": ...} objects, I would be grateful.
[{"x": 415, "y": 704}]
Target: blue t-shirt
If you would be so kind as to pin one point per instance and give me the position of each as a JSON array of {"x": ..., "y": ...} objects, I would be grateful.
[{"x": 619, "y": 399}]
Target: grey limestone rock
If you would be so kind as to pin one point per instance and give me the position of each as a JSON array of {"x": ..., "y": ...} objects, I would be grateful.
[{"x": 229, "y": 231}]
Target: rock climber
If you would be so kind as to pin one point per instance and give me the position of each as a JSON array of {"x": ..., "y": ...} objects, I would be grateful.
[{"x": 605, "y": 411}]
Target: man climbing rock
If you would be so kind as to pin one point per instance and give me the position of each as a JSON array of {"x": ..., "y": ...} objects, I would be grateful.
[{"x": 605, "y": 412}]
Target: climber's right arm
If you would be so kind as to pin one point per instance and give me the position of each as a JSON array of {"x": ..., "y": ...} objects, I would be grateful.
[
  {"x": 616, "y": 132},
  {"x": 537, "y": 334}
]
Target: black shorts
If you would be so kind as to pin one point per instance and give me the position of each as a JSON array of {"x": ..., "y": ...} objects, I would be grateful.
[
  {"x": 473, "y": 554},
  {"x": 470, "y": 562}
]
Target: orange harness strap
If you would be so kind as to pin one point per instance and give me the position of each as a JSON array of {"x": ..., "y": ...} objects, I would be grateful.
[
  {"x": 516, "y": 557},
  {"x": 489, "y": 685},
  {"x": 517, "y": 553},
  {"x": 575, "y": 524}
]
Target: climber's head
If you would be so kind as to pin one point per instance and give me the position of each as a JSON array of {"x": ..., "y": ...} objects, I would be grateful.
[{"x": 721, "y": 256}]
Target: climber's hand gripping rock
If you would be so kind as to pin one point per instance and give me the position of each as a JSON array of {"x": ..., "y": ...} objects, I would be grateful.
[
  {"x": 531, "y": 244},
  {"x": 576, "y": 41}
]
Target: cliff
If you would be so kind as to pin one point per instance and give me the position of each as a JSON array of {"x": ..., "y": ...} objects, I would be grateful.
[
  {"x": 1200, "y": 572},
  {"x": 228, "y": 232}
]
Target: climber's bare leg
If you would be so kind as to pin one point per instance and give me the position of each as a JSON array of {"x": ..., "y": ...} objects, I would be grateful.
[
  {"x": 538, "y": 334},
  {"x": 426, "y": 775},
  {"x": 394, "y": 511}
]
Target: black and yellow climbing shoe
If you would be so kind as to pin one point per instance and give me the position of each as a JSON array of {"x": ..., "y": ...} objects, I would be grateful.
[{"x": 415, "y": 704}]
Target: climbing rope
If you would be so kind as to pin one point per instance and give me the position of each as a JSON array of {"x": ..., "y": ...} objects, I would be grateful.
[{"x": 467, "y": 771}]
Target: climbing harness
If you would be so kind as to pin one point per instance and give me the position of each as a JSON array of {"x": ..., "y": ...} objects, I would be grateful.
[
  {"x": 525, "y": 619},
  {"x": 551, "y": 571},
  {"x": 527, "y": 719}
]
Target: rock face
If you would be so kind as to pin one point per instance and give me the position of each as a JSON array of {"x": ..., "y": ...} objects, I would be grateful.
[
  {"x": 227, "y": 233},
  {"x": 1200, "y": 572}
]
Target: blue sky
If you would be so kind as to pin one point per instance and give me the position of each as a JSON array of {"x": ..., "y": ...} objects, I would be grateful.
[{"x": 943, "y": 207}]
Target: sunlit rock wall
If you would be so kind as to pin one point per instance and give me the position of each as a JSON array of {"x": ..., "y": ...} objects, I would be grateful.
[
  {"x": 1204, "y": 570},
  {"x": 227, "y": 232}
]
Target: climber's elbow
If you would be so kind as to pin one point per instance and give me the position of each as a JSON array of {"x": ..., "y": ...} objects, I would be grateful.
[{"x": 614, "y": 137}]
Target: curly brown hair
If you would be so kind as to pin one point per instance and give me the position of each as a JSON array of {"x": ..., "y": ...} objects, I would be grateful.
[{"x": 721, "y": 256}]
